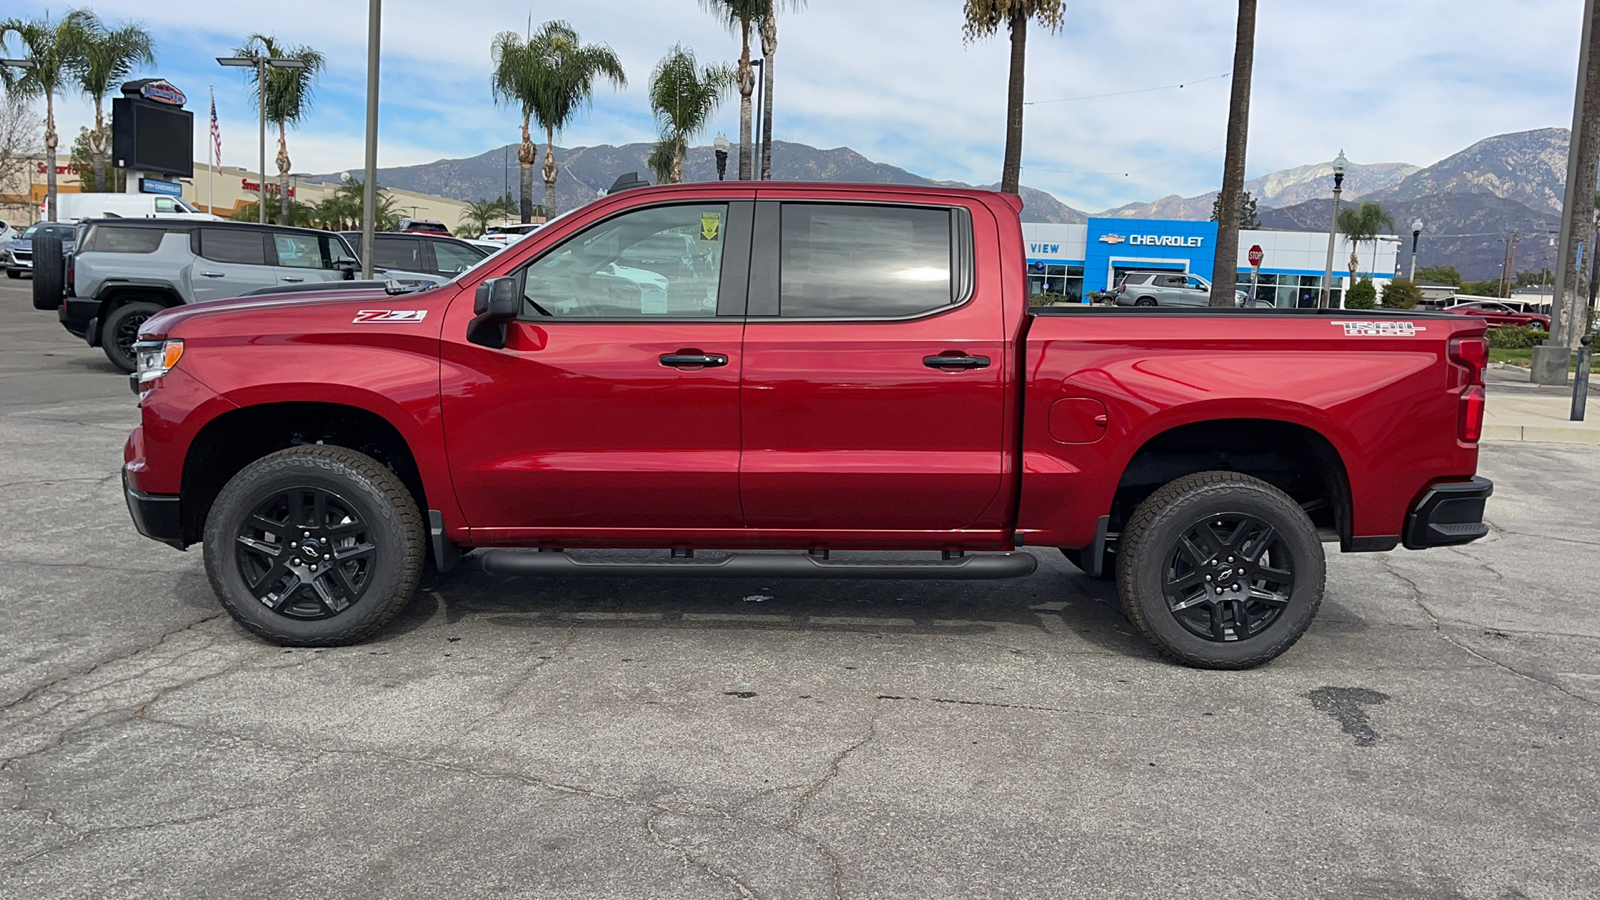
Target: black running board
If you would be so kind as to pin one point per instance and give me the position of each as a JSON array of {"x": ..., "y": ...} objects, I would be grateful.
[{"x": 966, "y": 568}]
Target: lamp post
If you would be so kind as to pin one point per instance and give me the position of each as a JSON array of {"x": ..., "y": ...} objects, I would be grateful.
[
  {"x": 1416, "y": 234},
  {"x": 25, "y": 64},
  {"x": 720, "y": 147},
  {"x": 369, "y": 190},
  {"x": 1339, "y": 164},
  {"x": 261, "y": 64}
]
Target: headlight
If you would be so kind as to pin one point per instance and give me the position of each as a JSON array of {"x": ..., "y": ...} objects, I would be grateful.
[{"x": 156, "y": 358}]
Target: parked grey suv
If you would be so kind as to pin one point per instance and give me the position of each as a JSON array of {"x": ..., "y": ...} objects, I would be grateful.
[
  {"x": 1168, "y": 289},
  {"x": 124, "y": 271}
]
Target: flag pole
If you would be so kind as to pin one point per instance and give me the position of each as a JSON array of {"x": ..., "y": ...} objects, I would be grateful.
[{"x": 211, "y": 202}]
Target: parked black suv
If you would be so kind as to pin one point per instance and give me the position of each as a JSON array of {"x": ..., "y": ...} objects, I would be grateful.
[{"x": 446, "y": 257}]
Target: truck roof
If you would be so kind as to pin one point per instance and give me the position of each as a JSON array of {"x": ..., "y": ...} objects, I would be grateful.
[{"x": 826, "y": 188}]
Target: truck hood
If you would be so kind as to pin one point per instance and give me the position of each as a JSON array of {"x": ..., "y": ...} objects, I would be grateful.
[{"x": 270, "y": 312}]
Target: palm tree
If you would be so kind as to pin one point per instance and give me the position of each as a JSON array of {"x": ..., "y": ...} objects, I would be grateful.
[
  {"x": 108, "y": 56},
  {"x": 741, "y": 16},
  {"x": 288, "y": 94},
  {"x": 1225, "y": 262},
  {"x": 683, "y": 97},
  {"x": 564, "y": 72},
  {"x": 385, "y": 218},
  {"x": 53, "y": 49},
  {"x": 480, "y": 215},
  {"x": 1363, "y": 223},
  {"x": 512, "y": 81},
  {"x": 769, "y": 49},
  {"x": 984, "y": 18},
  {"x": 660, "y": 160}
]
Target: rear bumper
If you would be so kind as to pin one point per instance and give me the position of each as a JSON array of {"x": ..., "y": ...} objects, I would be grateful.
[
  {"x": 1449, "y": 514},
  {"x": 78, "y": 314},
  {"x": 155, "y": 515}
]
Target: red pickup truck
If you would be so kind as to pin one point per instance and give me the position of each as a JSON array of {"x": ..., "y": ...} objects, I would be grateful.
[{"x": 805, "y": 367}]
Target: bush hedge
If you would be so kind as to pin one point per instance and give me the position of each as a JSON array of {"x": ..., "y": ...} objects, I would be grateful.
[
  {"x": 1362, "y": 295},
  {"x": 1507, "y": 338},
  {"x": 1401, "y": 293}
]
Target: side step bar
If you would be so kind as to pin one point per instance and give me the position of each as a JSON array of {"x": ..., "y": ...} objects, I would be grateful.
[{"x": 964, "y": 568}]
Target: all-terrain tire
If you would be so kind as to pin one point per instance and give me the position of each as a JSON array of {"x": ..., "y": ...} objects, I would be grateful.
[
  {"x": 382, "y": 552},
  {"x": 1145, "y": 301},
  {"x": 120, "y": 331},
  {"x": 1223, "y": 625},
  {"x": 49, "y": 273}
]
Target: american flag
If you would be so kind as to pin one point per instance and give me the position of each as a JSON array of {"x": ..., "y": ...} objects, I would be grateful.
[{"x": 216, "y": 132}]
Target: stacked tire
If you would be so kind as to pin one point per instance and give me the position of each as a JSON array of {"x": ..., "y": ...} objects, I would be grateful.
[{"x": 49, "y": 273}]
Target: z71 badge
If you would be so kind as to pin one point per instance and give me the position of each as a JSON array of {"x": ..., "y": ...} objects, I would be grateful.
[
  {"x": 390, "y": 315},
  {"x": 1380, "y": 329}
]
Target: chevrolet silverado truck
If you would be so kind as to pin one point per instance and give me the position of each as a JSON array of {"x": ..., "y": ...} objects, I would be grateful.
[{"x": 836, "y": 368}]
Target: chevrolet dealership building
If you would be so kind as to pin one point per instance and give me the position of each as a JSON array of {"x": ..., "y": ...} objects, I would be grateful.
[{"x": 1074, "y": 261}]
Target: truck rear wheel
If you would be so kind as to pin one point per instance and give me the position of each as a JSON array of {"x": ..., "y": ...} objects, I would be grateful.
[
  {"x": 314, "y": 546},
  {"x": 120, "y": 331},
  {"x": 1220, "y": 571},
  {"x": 1145, "y": 301}
]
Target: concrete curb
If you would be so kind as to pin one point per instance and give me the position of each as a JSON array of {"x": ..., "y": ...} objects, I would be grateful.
[{"x": 1576, "y": 433}]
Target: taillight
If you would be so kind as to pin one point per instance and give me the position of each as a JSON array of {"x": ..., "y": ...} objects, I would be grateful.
[
  {"x": 1471, "y": 354},
  {"x": 1469, "y": 422}
]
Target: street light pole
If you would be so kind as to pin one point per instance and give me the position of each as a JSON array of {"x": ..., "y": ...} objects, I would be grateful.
[
  {"x": 1416, "y": 234},
  {"x": 1339, "y": 165},
  {"x": 720, "y": 147},
  {"x": 369, "y": 190},
  {"x": 261, "y": 63}
]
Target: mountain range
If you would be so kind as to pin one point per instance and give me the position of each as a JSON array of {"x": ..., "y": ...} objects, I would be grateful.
[{"x": 1469, "y": 202}]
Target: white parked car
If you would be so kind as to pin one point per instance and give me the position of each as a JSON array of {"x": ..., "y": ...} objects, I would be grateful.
[{"x": 509, "y": 234}]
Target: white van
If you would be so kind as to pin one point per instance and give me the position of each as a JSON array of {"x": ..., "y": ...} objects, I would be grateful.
[{"x": 77, "y": 207}]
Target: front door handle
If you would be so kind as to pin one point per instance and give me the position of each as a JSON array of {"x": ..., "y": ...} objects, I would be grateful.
[
  {"x": 687, "y": 358},
  {"x": 956, "y": 362},
  {"x": 293, "y": 278},
  {"x": 212, "y": 274}
]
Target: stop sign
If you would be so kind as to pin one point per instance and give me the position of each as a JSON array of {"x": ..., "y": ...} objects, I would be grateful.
[{"x": 1255, "y": 256}]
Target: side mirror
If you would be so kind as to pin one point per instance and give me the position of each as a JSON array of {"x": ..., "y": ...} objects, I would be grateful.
[
  {"x": 348, "y": 266},
  {"x": 495, "y": 304}
]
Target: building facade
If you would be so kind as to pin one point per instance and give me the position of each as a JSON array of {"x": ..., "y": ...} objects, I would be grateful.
[{"x": 1073, "y": 262}]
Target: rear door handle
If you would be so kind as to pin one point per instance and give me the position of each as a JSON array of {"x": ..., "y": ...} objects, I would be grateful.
[
  {"x": 686, "y": 358},
  {"x": 293, "y": 278},
  {"x": 956, "y": 362},
  {"x": 212, "y": 274}
]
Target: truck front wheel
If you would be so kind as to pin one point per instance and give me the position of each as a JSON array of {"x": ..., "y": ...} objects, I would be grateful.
[
  {"x": 1220, "y": 571},
  {"x": 314, "y": 546}
]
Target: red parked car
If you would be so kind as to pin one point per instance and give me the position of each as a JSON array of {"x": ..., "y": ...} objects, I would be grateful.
[
  {"x": 1500, "y": 314},
  {"x": 833, "y": 367}
]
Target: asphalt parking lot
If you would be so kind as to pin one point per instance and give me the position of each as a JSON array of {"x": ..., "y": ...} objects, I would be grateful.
[{"x": 1434, "y": 735}]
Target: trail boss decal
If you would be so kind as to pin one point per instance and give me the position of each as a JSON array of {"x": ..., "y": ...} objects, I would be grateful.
[
  {"x": 1380, "y": 329},
  {"x": 390, "y": 315}
]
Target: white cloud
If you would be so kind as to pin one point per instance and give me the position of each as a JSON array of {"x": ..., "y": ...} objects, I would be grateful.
[{"x": 1383, "y": 81}]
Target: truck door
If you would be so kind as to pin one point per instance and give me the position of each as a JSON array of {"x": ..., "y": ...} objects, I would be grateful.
[
  {"x": 615, "y": 402},
  {"x": 874, "y": 378},
  {"x": 232, "y": 262}
]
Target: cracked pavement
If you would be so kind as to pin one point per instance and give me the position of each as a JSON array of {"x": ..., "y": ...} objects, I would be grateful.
[{"x": 1434, "y": 734}]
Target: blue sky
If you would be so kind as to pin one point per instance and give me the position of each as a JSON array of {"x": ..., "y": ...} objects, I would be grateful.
[{"x": 1384, "y": 81}]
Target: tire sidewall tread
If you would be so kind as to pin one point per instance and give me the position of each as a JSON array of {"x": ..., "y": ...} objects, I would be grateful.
[
  {"x": 108, "y": 331},
  {"x": 1141, "y": 562},
  {"x": 362, "y": 480}
]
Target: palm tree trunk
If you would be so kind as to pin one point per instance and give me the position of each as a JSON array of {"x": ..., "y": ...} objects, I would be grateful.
[
  {"x": 283, "y": 173},
  {"x": 769, "y": 50},
  {"x": 527, "y": 153},
  {"x": 50, "y": 143},
  {"x": 677, "y": 160},
  {"x": 1225, "y": 264},
  {"x": 747, "y": 86},
  {"x": 1011, "y": 172},
  {"x": 97, "y": 146},
  {"x": 550, "y": 171}
]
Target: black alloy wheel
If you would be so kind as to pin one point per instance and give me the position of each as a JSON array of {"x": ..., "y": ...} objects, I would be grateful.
[
  {"x": 120, "y": 332},
  {"x": 1220, "y": 570},
  {"x": 1145, "y": 301},
  {"x": 1228, "y": 577},
  {"x": 306, "y": 553},
  {"x": 314, "y": 546}
]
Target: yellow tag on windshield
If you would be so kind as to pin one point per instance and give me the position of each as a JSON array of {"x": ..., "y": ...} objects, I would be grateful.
[{"x": 710, "y": 224}]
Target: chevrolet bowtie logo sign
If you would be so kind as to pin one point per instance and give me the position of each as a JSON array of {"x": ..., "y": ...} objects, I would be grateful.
[{"x": 1112, "y": 239}]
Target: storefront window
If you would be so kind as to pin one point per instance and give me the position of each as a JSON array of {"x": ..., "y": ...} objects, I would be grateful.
[{"x": 1055, "y": 284}]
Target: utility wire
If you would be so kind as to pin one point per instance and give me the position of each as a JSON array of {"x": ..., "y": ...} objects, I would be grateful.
[
  {"x": 1132, "y": 172},
  {"x": 1126, "y": 93}
]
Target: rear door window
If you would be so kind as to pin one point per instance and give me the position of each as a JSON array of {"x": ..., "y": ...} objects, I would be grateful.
[
  {"x": 229, "y": 245},
  {"x": 404, "y": 254},
  {"x": 862, "y": 261}
]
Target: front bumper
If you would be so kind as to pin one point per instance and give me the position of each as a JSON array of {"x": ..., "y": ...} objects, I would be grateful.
[
  {"x": 155, "y": 515},
  {"x": 1449, "y": 514}
]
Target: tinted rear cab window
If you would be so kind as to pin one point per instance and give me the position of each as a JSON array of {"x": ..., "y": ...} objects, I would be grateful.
[
  {"x": 125, "y": 239},
  {"x": 855, "y": 261},
  {"x": 233, "y": 246}
]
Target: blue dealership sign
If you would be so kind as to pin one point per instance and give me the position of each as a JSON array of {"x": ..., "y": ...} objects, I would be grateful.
[
  {"x": 1121, "y": 244},
  {"x": 169, "y": 188}
]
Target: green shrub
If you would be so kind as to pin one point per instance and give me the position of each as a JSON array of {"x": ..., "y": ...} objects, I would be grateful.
[
  {"x": 1507, "y": 338},
  {"x": 1362, "y": 295},
  {"x": 1401, "y": 293}
]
